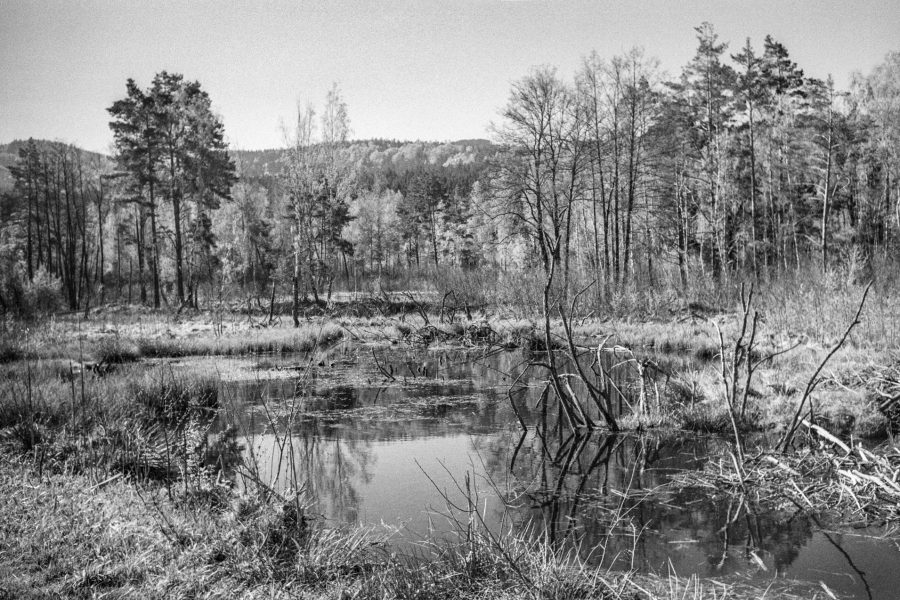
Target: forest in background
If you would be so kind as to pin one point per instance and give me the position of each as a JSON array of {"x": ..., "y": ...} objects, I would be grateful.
[{"x": 740, "y": 167}]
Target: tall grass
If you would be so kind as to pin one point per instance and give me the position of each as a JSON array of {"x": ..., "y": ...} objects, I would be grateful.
[
  {"x": 152, "y": 337},
  {"x": 303, "y": 339},
  {"x": 118, "y": 496},
  {"x": 818, "y": 306},
  {"x": 134, "y": 420}
]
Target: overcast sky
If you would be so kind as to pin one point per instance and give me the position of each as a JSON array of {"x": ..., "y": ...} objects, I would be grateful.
[{"x": 409, "y": 70}]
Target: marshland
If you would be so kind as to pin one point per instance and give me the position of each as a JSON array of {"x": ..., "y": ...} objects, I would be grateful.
[{"x": 644, "y": 342}]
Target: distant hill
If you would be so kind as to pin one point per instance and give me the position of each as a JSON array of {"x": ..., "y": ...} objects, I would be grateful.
[
  {"x": 7, "y": 159},
  {"x": 369, "y": 155},
  {"x": 9, "y": 153},
  {"x": 379, "y": 154}
]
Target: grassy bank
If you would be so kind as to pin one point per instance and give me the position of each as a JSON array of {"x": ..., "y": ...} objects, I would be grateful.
[
  {"x": 682, "y": 351},
  {"x": 73, "y": 536},
  {"x": 118, "y": 339}
]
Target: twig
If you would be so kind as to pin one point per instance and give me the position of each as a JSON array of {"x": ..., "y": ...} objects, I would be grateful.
[{"x": 387, "y": 374}]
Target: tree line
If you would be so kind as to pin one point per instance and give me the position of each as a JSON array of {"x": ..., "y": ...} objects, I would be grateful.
[
  {"x": 50, "y": 225},
  {"x": 740, "y": 165},
  {"x": 80, "y": 218}
]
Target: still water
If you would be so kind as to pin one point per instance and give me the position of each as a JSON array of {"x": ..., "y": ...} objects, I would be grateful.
[{"x": 409, "y": 439}]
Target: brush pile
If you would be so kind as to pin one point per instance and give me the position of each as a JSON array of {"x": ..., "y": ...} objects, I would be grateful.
[
  {"x": 882, "y": 384},
  {"x": 885, "y": 386},
  {"x": 856, "y": 485}
]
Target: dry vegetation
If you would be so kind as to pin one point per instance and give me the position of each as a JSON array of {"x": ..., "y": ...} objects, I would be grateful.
[
  {"x": 73, "y": 536},
  {"x": 110, "y": 487}
]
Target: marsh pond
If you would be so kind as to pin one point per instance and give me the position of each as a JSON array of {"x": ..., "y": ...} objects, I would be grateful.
[{"x": 419, "y": 443}]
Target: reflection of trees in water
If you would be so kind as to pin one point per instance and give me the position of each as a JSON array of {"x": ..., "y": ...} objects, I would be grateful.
[
  {"x": 334, "y": 413},
  {"x": 327, "y": 470},
  {"x": 289, "y": 454},
  {"x": 594, "y": 492},
  {"x": 571, "y": 489},
  {"x": 627, "y": 385},
  {"x": 331, "y": 470},
  {"x": 597, "y": 492}
]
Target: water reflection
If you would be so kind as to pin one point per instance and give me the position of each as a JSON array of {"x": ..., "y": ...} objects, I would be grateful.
[{"x": 367, "y": 448}]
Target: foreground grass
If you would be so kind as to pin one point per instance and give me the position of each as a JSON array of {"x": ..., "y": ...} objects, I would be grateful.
[{"x": 68, "y": 535}]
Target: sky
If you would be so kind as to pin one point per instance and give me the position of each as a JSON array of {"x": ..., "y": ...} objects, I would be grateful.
[{"x": 429, "y": 70}]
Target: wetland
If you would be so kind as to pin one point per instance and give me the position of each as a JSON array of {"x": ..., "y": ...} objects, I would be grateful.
[{"x": 445, "y": 455}]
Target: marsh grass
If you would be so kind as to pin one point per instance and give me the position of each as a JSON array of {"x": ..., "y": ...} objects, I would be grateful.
[
  {"x": 170, "y": 397},
  {"x": 115, "y": 350},
  {"x": 817, "y": 307},
  {"x": 112, "y": 486},
  {"x": 696, "y": 403},
  {"x": 84, "y": 512},
  {"x": 135, "y": 420},
  {"x": 118, "y": 340},
  {"x": 274, "y": 341}
]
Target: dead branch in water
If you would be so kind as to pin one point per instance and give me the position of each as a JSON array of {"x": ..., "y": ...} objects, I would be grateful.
[
  {"x": 388, "y": 374},
  {"x": 853, "y": 482}
]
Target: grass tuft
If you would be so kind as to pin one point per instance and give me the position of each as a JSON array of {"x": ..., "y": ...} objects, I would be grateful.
[{"x": 116, "y": 350}]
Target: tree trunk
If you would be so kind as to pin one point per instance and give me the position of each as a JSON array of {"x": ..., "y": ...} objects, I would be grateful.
[
  {"x": 826, "y": 204},
  {"x": 295, "y": 285},
  {"x": 179, "y": 250},
  {"x": 154, "y": 245},
  {"x": 753, "y": 237}
]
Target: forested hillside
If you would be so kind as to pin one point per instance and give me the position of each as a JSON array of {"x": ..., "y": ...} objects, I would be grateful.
[
  {"x": 8, "y": 156},
  {"x": 377, "y": 154}
]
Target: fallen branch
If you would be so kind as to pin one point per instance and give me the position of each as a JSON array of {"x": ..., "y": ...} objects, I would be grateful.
[{"x": 827, "y": 435}]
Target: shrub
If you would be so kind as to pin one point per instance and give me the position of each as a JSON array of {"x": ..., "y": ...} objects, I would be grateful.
[
  {"x": 27, "y": 299},
  {"x": 170, "y": 397},
  {"x": 43, "y": 293},
  {"x": 116, "y": 350}
]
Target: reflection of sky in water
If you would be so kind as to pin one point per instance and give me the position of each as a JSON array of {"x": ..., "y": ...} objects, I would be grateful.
[{"x": 363, "y": 446}]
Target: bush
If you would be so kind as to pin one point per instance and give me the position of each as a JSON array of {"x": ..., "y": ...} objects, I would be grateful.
[
  {"x": 43, "y": 294},
  {"x": 10, "y": 350},
  {"x": 171, "y": 397},
  {"x": 27, "y": 299},
  {"x": 116, "y": 350}
]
